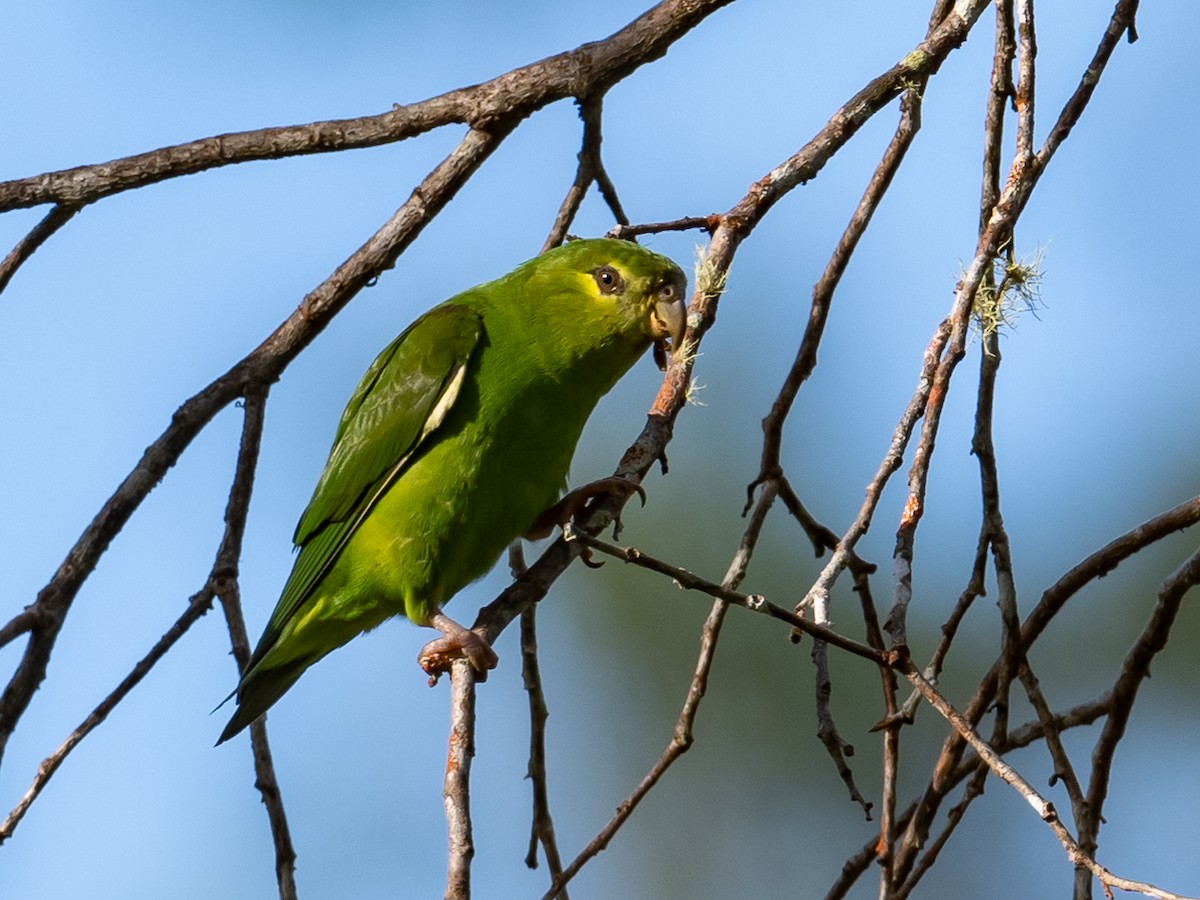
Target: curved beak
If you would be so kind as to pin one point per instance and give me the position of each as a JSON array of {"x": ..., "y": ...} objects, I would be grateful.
[{"x": 668, "y": 319}]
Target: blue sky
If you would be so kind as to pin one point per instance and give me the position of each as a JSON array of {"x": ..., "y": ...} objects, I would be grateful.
[{"x": 145, "y": 297}]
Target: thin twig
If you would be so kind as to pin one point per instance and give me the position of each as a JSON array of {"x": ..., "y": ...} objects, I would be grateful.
[
  {"x": 1134, "y": 670},
  {"x": 887, "y": 466},
  {"x": 590, "y": 169},
  {"x": 974, "y": 589},
  {"x": 688, "y": 223},
  {"x": 1064, "y": 771},
  {"x": 984, "y": 449},
  {"x": 198, "y": 605},
  {"x": 1024, "y": 97},
  {"x": 542, "y": 826},
  {"x": 457, "y": 788},
  {"x": 28, "y": 619},
  {"x": 229, "y": 594},
  {"x": 954, "y": 817},
  {"x": 682, "y": 736},
  {"x": 58, "y": 216},
  {"x": 259, "y": 368},
  {"x": 541, "y": 829},
  {"x": 753, "y": 602},
  {"x": 1044, "y": 808},
  {"x": 1024, "y": 736}
]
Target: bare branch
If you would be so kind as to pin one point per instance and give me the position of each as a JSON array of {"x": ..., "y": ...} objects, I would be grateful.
[
  {"x": 258, "y": 369},
  {"x": 753, "y": 602},
  {"x": 1134, "y": 670},
  {"x": 890, "y": 463},
  {"x": 1044, "y": 808},
  {"x": 542, "y": 830},
  {"x": 457, "y": 791},
  {"x": 198, "y": 605},
  {"x": 25, "y": 248},
  {"x": 590, "y": 169},
  {"x": 625, "y": 232},
  {"x": 229, "y": 593},
  {"x": 494, "y": 106},
  {"x": 682, "y": 736}
]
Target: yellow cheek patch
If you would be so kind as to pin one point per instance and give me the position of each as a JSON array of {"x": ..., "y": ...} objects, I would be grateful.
[{"x": 587, "y": 285}]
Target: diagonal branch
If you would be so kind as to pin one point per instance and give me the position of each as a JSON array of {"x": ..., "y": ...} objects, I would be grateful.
[
  {"x": 728, "y": 231},
  {"x": 503, "y": 101},
  {"x": 1044, "y": 808},
  {"x": 198, "y": 605},
  {"x": 1134, "y": 670},
  {"x": 58, "y": 216},
  {"x": 261, "y": 367},
  {"x": 222, "y": 577},
  {"x": 682, "y": 736}
]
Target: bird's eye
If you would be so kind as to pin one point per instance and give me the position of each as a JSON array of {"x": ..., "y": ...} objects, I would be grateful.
[{"x": 609, "y": 280}]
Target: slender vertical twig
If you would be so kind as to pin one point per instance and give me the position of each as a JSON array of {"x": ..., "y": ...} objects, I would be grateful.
[
  {"x": 229, "y": 593},
  {"x": 457, "y": 787},
  {"x": 590, "y": 170},
  {"x": 682, "y": 736},
  {"x": 542, "y": 825}
]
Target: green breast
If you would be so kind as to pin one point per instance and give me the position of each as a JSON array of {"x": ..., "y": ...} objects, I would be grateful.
[{"x": 498, "y": 460}]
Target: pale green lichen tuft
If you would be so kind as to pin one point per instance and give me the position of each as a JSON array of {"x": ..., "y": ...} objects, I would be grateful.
[
  {"x": 1014, "y": 288},
  {"x": 708, "y": 280},
  {"x": 687, "y": 353}
]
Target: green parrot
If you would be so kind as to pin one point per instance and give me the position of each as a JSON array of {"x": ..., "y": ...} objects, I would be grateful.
[{"x": 455, "y": 443}]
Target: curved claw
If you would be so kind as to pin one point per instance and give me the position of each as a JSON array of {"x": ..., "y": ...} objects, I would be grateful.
[
  {"x": 456, "y": 642},
  {"x": 587, "y": 558},
  {"x": 577, "y": 501}
]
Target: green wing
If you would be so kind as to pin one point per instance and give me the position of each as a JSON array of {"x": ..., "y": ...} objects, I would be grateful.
[{"x": 404, "y": 395}]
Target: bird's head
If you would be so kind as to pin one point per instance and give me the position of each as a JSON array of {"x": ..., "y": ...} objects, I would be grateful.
[{"x": 642, "y": 293}]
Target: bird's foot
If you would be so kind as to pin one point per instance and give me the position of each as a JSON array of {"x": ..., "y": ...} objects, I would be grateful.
[
  {"x": 456, "y": 642},
  {"x": 577, "y": 501}
]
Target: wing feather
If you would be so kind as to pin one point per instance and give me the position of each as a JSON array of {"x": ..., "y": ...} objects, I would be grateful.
[{"x": 403, "y": 397}]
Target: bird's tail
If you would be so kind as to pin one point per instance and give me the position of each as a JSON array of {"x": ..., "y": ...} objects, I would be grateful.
[{"x": 258, "y": 690}]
